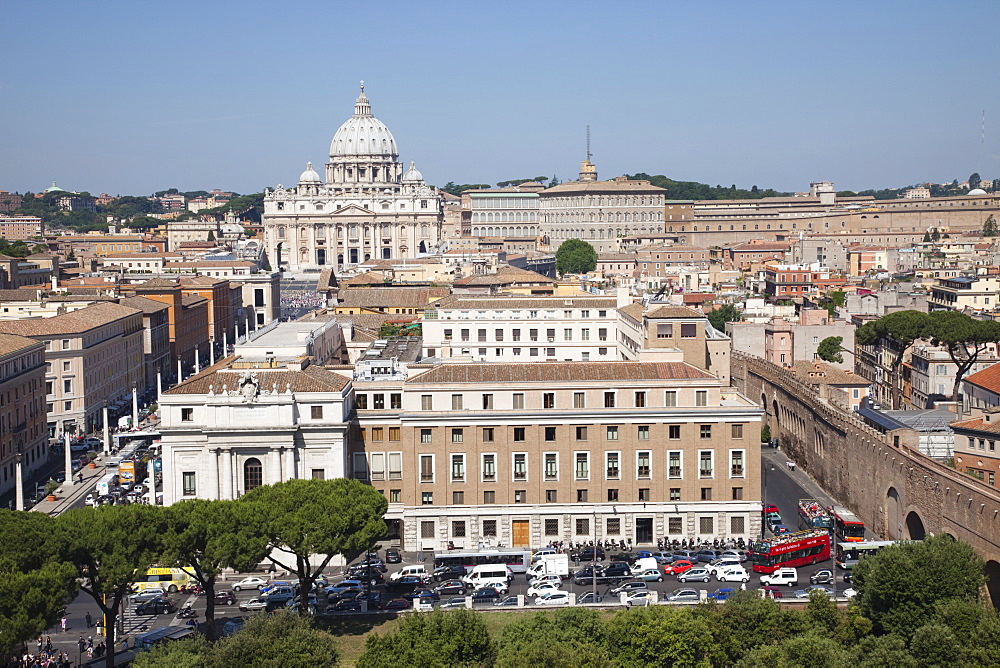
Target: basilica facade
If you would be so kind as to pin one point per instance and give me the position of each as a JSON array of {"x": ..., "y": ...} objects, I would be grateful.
[{"x": 367, "y": 208}]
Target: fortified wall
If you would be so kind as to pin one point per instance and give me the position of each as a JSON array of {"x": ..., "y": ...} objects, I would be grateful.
[{"x": 883, "y": 478}]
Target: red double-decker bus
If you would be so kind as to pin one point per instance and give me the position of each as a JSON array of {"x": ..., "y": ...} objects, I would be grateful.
[
  {"x": 847, "y": 526},
  {"x": 792, "y": 550}
]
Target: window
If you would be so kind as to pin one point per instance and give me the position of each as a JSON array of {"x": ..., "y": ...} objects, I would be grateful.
[
  {"x": 362, "y": 402},
  {"x": 447, "y": 335},
  {"x": 481, "y": 335},
  {"x": 674, "y": 525},
  {"x": 674, "y": 464},
  {"x": 644, "y": 494},
  {"x": 602, "y": 334},
  {"x": 520, "y": 496},
  {"x": 393, "y": 433},
  {"x": 458, "y": 498},
  {"x": 737, "y": 431},
  {"x": 674, "y": 432},
  {"x": 643, "y": 432},
  {"x": 68, "y": 387},
  {"x": 642, "y": 464},
  {"x": 425, "y": 436},
  {"x": 612, "y": 465},
  {"x": 613, "y": 526},
  {"x": 457, "y": 435},
  {"x": 378, "y": 433},
  {"x": 427, "y": 498},
  {"x": 426, "y": 468},
  {"x": 487, "y": 434},
  {"x": 581, "y": 496},
  {"x": 705, "y": 463},
  {"x": 458, "y": 468},
  {"x": 456, "y": 402},
  {"x": 188, "y": 483},
  {"x": 736, "y": 464},
  {"x": 675, "y": 495},
  {"x": 427, "y": 529},
  {"x": 550, "y": 352},
  {"x": 581, "y": 433},
  {"x": 582, "y": 470},
  {"x": 396, "y": 400},
  {"x": 65, "y": 344},
  {"x": 670, "y": 398},
  {"x": 579, "y": 400},
  {"x": 689, "y": 330},
  {"x": 551, "y": 466},
  {"x": 487, "y": 402},
  {"x": 498, "y": 335},
  {"x": 550, "y": 433},
  {"x": 394, "y": 495},
  {"x": 737, "y": 493},
  {"x": 66, "y": 365},
  {"x": 706, "y": 525},
  {"x": 378, "y": 401},
  {"x": 701, "y": 398},
  {"x": 518, "y": 400},
  {"x": 395, "y": 464},
  {"x": 489, "y": 497},
  {"x": 551, "y": 496},
  {"x": 187, "y": 415},
  {"x": 316, "y": 412},
  {"x": 520, "y": 466},
  {"x": 612, "y": 495},
  {"x": 318, "y": 474},
  {"x": 567, "y": 334},
  {"x": 551, "y": 527},
  {"x": 612, "y": 433},
  {"x": 489, "y": 467},
  {"x": 548, "y": 400},
  {"x": 640, "y": 399},
  {"x": 490, "y": 527},
  {"x": 705, "y": 431},
  {"x": 378, "y": 466},
  {"x": 426, "y": 402},
  {"x": 737, "y": 524},
  {"x": 706, "y": 493},
  {"x": 253, "y": 473},
  {"x": 609, "y": 399},
  {"x": 458, "y": 527},
  {"x": 582, "y": 526},
  {"x": 465, "y": 335},
  {"x": 585, "y": 334},
  {"x": 664, "y": 331}
]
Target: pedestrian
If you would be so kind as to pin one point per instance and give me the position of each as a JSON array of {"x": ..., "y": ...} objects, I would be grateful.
[
  {"x": 792, "y": 465},
  {"x": 90, "y": 620},
  {"x": 82, "y": 644},
  {"x": 125, "y": 643},
  {"x": 62, "y": 622},
  {"x": 48, "y": 644},
  {"x": 39, "y": 644},
  {"x": 743, "y": 586}
]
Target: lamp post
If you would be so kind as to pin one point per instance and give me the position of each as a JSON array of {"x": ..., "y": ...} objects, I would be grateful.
[
  {"x": 18, "y": 482},
  {"x": 593, "y": 564},
  {"x": 764, "y": 498}
]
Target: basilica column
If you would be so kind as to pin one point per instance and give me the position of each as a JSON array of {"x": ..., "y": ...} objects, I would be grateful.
[
  {"x": 288, "y": 470},
  {"x": 215, "y": 491},
  {"x": 226, "y": 470}
]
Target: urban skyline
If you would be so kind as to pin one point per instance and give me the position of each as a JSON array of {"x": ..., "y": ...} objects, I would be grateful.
[{"x": 237, "y": 97}]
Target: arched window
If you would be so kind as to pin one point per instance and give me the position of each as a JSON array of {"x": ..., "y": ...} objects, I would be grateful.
[{"x": 253, "y": 474}]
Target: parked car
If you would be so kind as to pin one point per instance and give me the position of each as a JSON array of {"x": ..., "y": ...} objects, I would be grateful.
[
  {"x": 722, "y": 563},
  {"x": 650, "y": 575},
  {"x": 732, "y": 574},
  {"x": 404, "y": 584},
  {"x": 627, "y": 557},
  {"x": 392, "y": 556},
  {"x": 156, "y": 606},
  {"x": 588, "y": 554},
  {"x": 589, "y": 597},
  {"x": 250, "y": 583},
  {"x": 148, "y": 594},
  {"x": 779, "y": 529},
  {"x": 734, "y": 555},
  {"x": 555, "y": 579},
  {"x": 280, "y": 595},
  {"x": 807, "y": 592},
  {"x": 617, "y": 569},
  {"x": 485, "y": 595},
  {"x": 423, "y": 595},
  {"x": 771, "y": 592},
  {"x": 554, "y": 597},
  {"x": 850, "y": 592},
  {"x": 507, "y": 601},
  {"x": 448, "y": 573},
  {"x": 344, "y": 585},
  {"x": 679, "y": 566},
  {"x": 769, "y": 508},
  {"x": 707, "y": 556},
  {"x": 822, "y": 576},
  {"x": 721, "y": 594},
  {"x": 782, "y": 576},
  {"x": 456, "y": 602},
  {"x": 679, "y": 595},
  {"x": 254, "y": 604},
  {"x": 641, "y": 597},
  {"x": 663, "y": 558},
  {"x": 451, "y": 588},
  {"x": 630, "y": 587},
  {"x": 225, "y": 597},
  {"x": 695, "y": 574},
  {"x": 396, "y": 604},
  {"x": 542, "y": 588}
]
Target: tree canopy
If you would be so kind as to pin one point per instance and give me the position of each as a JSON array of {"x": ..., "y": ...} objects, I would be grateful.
[
  {"x": 726, "y": 313},
  {"x": 831, "y": 349},
  {"x": 453, "y": 638},
  {"x": 575, "y": 257},
  {"x": 965, "y": 339},
  {"x": 898, "y": 331}
]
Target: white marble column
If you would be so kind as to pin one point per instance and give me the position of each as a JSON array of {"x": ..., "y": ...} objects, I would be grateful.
[
  {"x": 180, "y": 371},
  {"x": 289, "y": 469},
  {"x": 215, "y": 491},
  {"x": 18, "y": 482},
  {"x": 274, "y": 474},
  {"x": 107, "y": 431},
  {"x": 226, "y": 469},
  {"x": 135, "y": 408},
  {"x": 69, "y": 461},
  {"x": 197, "y": 360},
  {"x": 159, "y": 387}
]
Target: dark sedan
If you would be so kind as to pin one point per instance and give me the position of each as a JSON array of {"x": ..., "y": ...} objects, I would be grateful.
[
  {"x": 404, "y": 584},
  {"x": 451, "y": 588}
]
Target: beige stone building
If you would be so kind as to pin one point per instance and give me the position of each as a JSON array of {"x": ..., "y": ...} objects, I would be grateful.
[{"x": 22, "y": 407}]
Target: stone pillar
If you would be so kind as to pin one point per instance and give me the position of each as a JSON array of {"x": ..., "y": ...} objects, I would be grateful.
[
  {"x": 214, "y": 471},
  {"x": 288, "y": 469},
  {"x": 135, "y": 408},
  {"x": 225, "y": 344},
  {"x": 18, "y": 483},
  {"x": 197, "y": 360},
  {"x": 180, "y": 372},
  {"x": 211, "y": 352},
  {"x": 274, "y": 475},
  {"x": 226, "y": 469},
  {"x": 107, "y": 431},
  {"x": 152, "y": 486},
  {"x": 159, "y": 387},
  {"x": 69, "y": 461}
]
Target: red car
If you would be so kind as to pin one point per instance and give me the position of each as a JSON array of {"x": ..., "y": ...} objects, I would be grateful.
[
  {"x": 678, "y": 566},
  {"x": 769, "y": 508},
  {"x": 396, "y": 604}
]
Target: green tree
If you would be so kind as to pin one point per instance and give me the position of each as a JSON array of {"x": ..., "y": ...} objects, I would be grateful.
[
  {"x": 899, "y": 588},
  {"x": 965, "y": 339},
  {"x": 831, "y": 349},
  {"x": 726, "y": 313},
  {"x": 896, "y": 332},
  {"x": 935, "y": 235},
  {"x": 207, "y": 536},
  {"x": 765, "y": 433},
  {"x": 110, "y": 547},
  {"x": 990, "y": 226},
  {"x": 195, "y": 652},
  {"x": 882, "y": 651},
  {"x": 322, "y": 518},
  {"x": 575, "y": 257},
  {"x": 934, "y": 646},
  {"x": 34, "y": 583},
  {"x": 662, "y": 636},
  {"x": 440, "y": 638},
  {"x": 283, "y": 639},
  {"x": 566, "y": 637},
  {"x": 975, "y": 180},
  {"x": 927, "y": 237}
]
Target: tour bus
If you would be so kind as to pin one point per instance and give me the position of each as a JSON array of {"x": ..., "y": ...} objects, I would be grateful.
[
  {"x": 517, "y": 560},
  {"x": 792, "y": 550},
  {"x": 847, "y": 526},
  {"x": 813, "y": 515},
  {"x": 170, "y": 579},
  {"x": 848, "y": 554}
]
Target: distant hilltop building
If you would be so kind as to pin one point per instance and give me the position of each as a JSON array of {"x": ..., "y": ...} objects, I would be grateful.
[{"x": 367, "y": 208}]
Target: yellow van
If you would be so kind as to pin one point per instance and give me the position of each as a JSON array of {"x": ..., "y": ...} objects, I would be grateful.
[{"x": 170, "y": 579}]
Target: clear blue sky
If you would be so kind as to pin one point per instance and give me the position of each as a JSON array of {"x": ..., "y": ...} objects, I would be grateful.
[{"x": 133, "y": 97}]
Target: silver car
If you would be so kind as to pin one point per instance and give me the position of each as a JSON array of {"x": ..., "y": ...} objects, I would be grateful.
[{"x": 680, "y": 595}]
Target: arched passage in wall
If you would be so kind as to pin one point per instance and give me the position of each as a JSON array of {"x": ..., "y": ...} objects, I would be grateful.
[
  {"x": 993, "y": 582},
  {"x": 893, "y": 521},
  {"x": 914, "y": 526}
]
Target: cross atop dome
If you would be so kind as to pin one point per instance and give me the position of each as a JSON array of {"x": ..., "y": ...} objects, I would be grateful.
[{"x": 362, "y": 107}]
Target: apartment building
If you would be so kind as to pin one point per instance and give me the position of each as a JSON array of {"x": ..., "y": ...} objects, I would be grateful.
[
  {"x": 156, "y": 358},
  {"x": 976, "y": 445},
  {"x": 521, "y": 328},
  {"x": 660, "y": 332},
  {"x": 525, "y": 454},
  {"x": 22, "y": 407},
  {"x": 15, "y": 228},
  {"x": 92, "y": 356},
  {"x": 965, "y": 293},
  {"x": 187, "y": 317},
  {"x": 788, "y": 281}
]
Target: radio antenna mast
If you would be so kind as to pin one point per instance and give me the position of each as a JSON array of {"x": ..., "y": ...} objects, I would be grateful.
[{"x": 589, "y": 155}]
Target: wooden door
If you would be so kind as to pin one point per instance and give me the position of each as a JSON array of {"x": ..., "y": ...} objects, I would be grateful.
[{"x": 521, "y": 533}]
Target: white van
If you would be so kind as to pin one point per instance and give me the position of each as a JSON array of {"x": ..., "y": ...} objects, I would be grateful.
[
  {"x": 489, "y": 575},
  {"x": 416, "y": 571},
  {"x": 782, "y": 576},
  {"x": 644, "y": 564}
]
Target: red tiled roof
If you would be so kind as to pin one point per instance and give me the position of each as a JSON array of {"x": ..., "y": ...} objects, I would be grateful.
[{"x": 988, "y": 378}]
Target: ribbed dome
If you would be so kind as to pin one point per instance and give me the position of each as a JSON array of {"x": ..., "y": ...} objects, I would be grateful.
[
  {"x": 309, "y": 176},
  {"x": 412, "y": 174},
  {"x": 976, "y": 192},
  {"x": 363, "y": 134}
]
